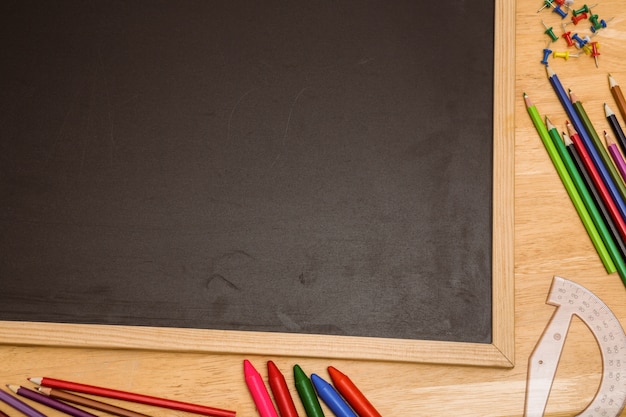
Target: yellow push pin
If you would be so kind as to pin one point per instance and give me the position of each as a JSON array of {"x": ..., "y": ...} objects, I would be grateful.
[{"x": 565, "y": 55}]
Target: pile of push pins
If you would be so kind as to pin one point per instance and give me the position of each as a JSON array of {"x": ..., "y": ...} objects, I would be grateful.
[{"x": 582, "y": 16}]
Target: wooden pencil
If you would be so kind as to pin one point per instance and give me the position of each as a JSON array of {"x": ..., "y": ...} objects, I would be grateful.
[
  {"x": 615, "y": 176},
  {"x": 88, "y": 402},
  {"x": 615, "y": 154},
  {"x": 131, "y": 396},
  {"x": 615, "y": 127},
  {"x": 582, "y": 211},
  {"x": 614, "y": 251},
  {"x": 595, "y": 194},
  {"x": 616, "y": 92}
]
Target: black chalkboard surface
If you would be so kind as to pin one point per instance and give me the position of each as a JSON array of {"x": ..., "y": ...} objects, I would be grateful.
[{"x": 318, "y": 167}]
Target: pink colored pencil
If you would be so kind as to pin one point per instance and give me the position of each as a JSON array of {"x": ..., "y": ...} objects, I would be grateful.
[{"x": 615, "y": 155}]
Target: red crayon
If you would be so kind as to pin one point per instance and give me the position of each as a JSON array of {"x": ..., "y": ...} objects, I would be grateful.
[
  {"x": 597, "y": 180},
  {"x": 132, "y": 397},
  {"x": 280, "y": 390},
  {"x": 351, "y": 393}
]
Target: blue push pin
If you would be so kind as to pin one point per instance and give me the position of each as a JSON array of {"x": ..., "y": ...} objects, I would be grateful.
[
  {"x": 581, "y": 42},
  {"x": 600, "y": 25},
  {"x": 546, "y": 55},
  {"x": 560, "y": 11}
]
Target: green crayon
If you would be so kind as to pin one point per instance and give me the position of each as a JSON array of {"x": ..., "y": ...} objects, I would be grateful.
[{"x": 307, "y": 394}]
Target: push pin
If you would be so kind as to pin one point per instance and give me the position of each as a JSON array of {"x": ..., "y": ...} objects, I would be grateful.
[
  {"x": 597, "y": 25},
  {"x": 568, "y": 37},
  {"x": 565, "y": 55},
  {"x": 594, "y": 52},
  {"x": 576, "y": 19},
  {"x": 581, "y": 42},
  {"x": 585, "y": 9},
  {"x": 550, "y": 32},
  {"x": 588, "y": 49},
  {"x": 546, "y": 55},
  {"x": 560, "y": 12},
  {"x": 547, "y": 3}
]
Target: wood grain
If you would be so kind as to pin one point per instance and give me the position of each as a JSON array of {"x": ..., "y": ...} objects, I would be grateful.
[{"x": 549, "y": 240}]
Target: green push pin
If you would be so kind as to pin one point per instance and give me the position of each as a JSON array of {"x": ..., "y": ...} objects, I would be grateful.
[
  {"x": 550, "y": 32},
  {"x": 584, "y": 9}
]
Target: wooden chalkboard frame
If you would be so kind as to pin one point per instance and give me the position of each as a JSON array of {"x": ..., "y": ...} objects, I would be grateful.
[{"x": 498, "y": 353}]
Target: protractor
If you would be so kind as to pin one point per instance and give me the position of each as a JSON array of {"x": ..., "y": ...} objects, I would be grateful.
[{"x": 573, "y": 299}]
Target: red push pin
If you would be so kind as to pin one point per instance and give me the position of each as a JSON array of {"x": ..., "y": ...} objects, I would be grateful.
[
  {"x": 568, "y": 38},
  {"x": 576, "y": 19},
  {"x": 594, "y": 52}
]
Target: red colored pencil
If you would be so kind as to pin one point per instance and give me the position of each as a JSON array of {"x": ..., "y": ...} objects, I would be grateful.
[
  {"x": 351, "y": 393},
  {"x": 597, "y": 180},
  {"x": 283, "y": 398},
  {"x": 129, "y": 396}
]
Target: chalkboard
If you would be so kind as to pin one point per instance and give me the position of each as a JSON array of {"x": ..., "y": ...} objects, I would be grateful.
[{"x": 319, "y": 168}]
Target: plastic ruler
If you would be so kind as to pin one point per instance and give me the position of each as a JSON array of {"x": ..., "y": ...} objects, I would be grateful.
[{"x": 573, "y": 299}]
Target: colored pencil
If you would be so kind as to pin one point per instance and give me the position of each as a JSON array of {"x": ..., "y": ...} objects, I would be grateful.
[
  {"x": 3, "y": 414},
  {"x": 561, "y": 170},
  {"x": 595, "y": 176},
  {"x": 352, "y": 394},
  {"x": 616, "y": 92},
  {"x": 307, "y": 393},
  {"x": 591, "y": 150},
  {"x": 283, "y": 398},
  {"x": 257, "y": 389},
  {"x": 617, "y": 179},
  {"x": 578, "y": 152},
  {"x": 592, "y": 189},
  {"x": 49, "y": 402},
  {"x": 132, "y": 397},
  {"x": 20, "y": 406},
  {"x": 615, "y": 154},
  {"x": 331, "y": 397},
  {"x": 615, "y": 126},
  {"x": 596, "y": 217},
  {"x": 88, "y": 402}
]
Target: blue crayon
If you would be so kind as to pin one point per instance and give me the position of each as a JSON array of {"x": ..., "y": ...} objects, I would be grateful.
[
  {"x": 331, "y": 397},
  {"x": 584, "y": 135}
]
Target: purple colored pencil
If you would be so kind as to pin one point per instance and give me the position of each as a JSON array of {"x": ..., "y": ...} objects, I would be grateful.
[
  {"x": 20, "y": 405},
  {"x": 615, "y": 155},
  {"x": 50, "y": 402}
]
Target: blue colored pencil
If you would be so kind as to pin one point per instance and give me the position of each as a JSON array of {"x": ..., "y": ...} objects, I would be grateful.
[{"x": 584, "y": 135}]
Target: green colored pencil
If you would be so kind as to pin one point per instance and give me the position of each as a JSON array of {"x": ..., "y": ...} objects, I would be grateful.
[
  {"x": 590, "y": 204},
  {"x": 603, "y": 253},
  {"x": 584, "y": 118}
]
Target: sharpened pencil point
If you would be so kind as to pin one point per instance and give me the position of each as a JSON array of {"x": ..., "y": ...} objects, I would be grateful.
[
  {"x": 550, "y": 72},
  {"x": 607, "y": 110}
]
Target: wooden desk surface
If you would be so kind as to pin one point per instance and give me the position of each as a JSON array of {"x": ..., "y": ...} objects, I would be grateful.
[{"x": 549, "y": 240}]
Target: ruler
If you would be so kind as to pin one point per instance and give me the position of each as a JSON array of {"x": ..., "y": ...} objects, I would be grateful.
[{"x": 573, "y": 299}]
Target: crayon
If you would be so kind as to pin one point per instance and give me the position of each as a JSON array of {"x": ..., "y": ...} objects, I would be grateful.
[
  {"x": 307, "y": 393},
  {"x": 283, "y": 399},
  {"x": 352, "y": 394},
  {"x": 331, "y": 397},
  {"x": 258, "y": 391}
]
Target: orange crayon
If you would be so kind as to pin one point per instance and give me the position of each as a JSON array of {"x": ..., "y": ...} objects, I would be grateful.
[{"x": 351, "y": 393}]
